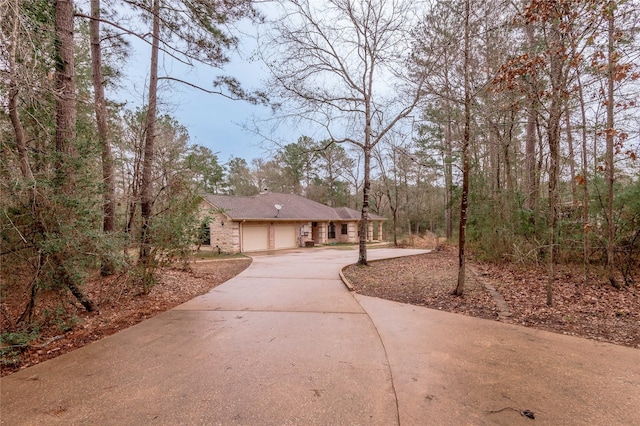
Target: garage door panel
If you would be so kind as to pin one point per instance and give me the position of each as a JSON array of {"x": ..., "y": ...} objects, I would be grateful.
[
  {"x": 255, "y": 237},
  {"x": 285, "y": 236}
]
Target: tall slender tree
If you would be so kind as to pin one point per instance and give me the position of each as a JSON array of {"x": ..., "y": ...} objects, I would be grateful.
[
  {"x": 612, "y": 59},
  {"x": 65, "y": 134},
  {"x": 464, "y": 199},
  {"x": 191, "y": 32},
  {"x": 100, "y": 106},
  {"x": 146, "y": 194}
]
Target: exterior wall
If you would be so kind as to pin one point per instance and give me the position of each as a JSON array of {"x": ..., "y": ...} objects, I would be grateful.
[
  {"x": 224, "y": 233},
  {"x": 340, "y": 237},
  {"x": 305, "y": 228},
  {"x": 323, "y": 229},
  {"x": 352, "y": 232}
]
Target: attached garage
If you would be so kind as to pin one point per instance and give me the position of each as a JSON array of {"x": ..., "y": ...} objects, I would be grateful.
[
  {"x": 285, "y": 236},
  {"x": 273, "y": 221},
  {"x": 255, "y": 237}
]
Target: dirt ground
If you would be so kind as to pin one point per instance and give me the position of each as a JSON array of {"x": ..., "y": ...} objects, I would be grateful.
[
  {"x": 594, "y": 310},
  {"x": 68, "y": 328}
]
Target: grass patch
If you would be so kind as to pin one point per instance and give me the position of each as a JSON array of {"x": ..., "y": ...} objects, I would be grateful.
[
  {"x": 211, "y": 255},
  {"x": 351, "y": 246}
]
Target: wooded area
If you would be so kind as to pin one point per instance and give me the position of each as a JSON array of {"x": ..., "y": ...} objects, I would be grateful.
[{"x": 515, "y": 122}]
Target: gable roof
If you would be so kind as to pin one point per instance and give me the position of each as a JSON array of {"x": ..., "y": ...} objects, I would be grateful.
[
  {"x": 294, "y": 207},
  {"x": 347, "y": 213}
]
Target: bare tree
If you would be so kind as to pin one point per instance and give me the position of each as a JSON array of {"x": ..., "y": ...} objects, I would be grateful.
[
  {"x": 462, "y": 229},
  {"x": 610, "y": 133},
  {"x": 390, "y": 186},
  {"x": 339, "y": 65},
  {"x": 13, "y": 15},
  {"x": 531, "y": 187}
]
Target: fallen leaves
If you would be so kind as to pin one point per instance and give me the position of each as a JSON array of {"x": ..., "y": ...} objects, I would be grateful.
[
  {"x": 588, "y": 308},
  {"x": 591, "y": 309},
  {"x": 424, "y": 280},
  {"x": 120, "y": 307}
]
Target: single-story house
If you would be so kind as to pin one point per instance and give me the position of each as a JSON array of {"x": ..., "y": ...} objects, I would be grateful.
[{"x": 273, "y": 221}]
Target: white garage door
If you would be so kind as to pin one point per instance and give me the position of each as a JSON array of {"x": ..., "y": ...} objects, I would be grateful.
[
  {"x": 285, "y": 236},
  {"x": 255, "y": 237}
]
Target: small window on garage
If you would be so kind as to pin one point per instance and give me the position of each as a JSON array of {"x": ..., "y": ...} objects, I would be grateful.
[
  {"x": 332, "y": 231},
  {"x": 345, "y": 229}
]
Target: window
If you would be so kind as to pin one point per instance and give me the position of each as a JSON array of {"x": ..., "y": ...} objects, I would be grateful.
[
  {"x": 205, "y": 234},
  {"x": 332, "y": 231},
  {"x": 345, "y": 229}
]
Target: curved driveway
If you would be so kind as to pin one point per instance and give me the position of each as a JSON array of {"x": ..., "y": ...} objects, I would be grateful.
[{"x": 284, "y": 343}]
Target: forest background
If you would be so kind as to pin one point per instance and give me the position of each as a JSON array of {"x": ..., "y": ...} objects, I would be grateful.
[{"x": 511, "y": 128}]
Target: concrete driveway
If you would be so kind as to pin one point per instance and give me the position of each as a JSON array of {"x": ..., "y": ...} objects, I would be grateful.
[{"x": 284, "y": 343}]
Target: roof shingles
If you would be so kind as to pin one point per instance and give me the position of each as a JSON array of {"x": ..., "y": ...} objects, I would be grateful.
[{"x": 294, "y": 207}]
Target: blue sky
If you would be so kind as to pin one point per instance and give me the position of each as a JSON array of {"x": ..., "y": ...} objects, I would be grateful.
[{"x": 212, "y": 120}]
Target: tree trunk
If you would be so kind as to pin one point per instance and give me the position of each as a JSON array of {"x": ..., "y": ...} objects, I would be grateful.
[
  {"x": 448, "y": 168},
  {"x": 585, "y": 185},
  {"x": 531, "y": 182},
  {"x": 66, "y": 132},
  {"x": 134, "y": 193},
  {"x": 495, "y": 163},
  {"x": 18, "y": 128},
  {"x": 395, "y": 226},
  {"x": 508, "y": 173},
  {"x": 572, "y": 164},
  {"x": 448, "y": 180},
  {"x": 553, "y": 135},
  {"x": 367, "y": 147},
  {"x": 146, "y": 196},
  {"x": 364, "y": 220},
  {"x": 108, "y": 176},
  {"x": 531, "y": 186},
  {"x": 66, "y": 97},
  {"x": 611, "y": 229},
  {"x": 459, "y": 290}
]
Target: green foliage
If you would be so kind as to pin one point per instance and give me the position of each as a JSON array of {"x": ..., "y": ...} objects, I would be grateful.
[
  {"x": 297, "y": 163},
  {"x": 51, "y": 226},
  {"x": 207, "y": 172},
  {"x": 239, "y": 181},
  {"x": 209, "y": 255},
  {"x": 175, "y": 231},
  {"x": 501, "y": 229},
  {"x": 63, "y": 320},
  {"x": 627, "y": 207},
  {"x": 14, "y": 342}
]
